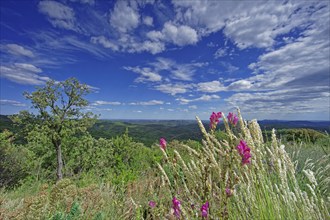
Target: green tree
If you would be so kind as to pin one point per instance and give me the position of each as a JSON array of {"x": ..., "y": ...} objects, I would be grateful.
[{"x": 60, "y": 114}]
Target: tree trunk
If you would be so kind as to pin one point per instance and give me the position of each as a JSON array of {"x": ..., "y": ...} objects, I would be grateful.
[{"x": 59, "y": 163}]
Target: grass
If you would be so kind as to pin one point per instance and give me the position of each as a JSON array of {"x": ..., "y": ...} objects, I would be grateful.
[{"x": 281, "y": 182}]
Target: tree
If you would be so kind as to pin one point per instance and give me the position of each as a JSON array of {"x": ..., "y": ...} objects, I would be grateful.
[{"x": 60, "y": 113}]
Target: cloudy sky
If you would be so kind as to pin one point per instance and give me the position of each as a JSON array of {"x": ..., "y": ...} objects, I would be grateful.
[{"x": 149, "y": 59}]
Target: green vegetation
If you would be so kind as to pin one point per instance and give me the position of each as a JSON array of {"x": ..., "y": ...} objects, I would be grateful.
[{"x": 117, "y": 176}]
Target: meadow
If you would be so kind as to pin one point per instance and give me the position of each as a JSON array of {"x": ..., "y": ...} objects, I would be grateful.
[{"x": 236, "y": 172}]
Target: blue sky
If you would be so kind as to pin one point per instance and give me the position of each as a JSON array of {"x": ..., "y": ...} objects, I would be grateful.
[{"x": 148, "y": 59}]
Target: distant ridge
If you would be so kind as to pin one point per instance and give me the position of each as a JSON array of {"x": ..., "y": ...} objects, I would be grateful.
[{"x": 264, "y": 124}]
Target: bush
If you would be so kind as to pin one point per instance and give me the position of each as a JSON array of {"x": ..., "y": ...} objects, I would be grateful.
[{"x": 14, "y": 161}]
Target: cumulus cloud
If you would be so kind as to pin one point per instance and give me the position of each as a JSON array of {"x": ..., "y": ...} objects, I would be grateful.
[
  {"x": 125, "y": 16},
  {"x": 102, "y": 40},
  {"x": 147, "y": 20},
  {"x": 303, "y": 63},
  {"x": 152, "y": 47},
  {"x": 247, "y": 24},
  {"x": 210, "y": 87},
  {"x": 59, "y": 15},
  {"x": 23, "y": 73},
  {"x": 180, "y": 35},
  {"x": 16, "y": 49}
]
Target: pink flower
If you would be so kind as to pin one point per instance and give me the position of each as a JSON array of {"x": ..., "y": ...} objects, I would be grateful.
[
  {"x": 244, "y": 151},
  {"x": 152, "y": 204},
  {"x": 214, "y": 119},
  {"x": 176, "y": 207},
  {"x": 229, "y": 192},
  {"x": 163, "y": 143},
  {"x": 232, "y": 118},
  {"x": 205, "y": 209}
]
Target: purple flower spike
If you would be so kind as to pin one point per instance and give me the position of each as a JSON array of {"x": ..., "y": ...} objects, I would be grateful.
[
  {"x": 205, "y": 209},
  {"x": 214, "y": 119},
  {"x": 244, "y": 151},
  {"x": 176, "y": 207},
  {"x": 162, "y": 143},
  {"x": 232, "y": 118}
]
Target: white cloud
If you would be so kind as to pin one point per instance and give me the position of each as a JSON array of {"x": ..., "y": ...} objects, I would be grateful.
[
  {"x": 105, "y": 42},
  {"x": 221, "y": 52},
  {"x": 16, "y": 49},
  {"x": 99, "y": 102},
  {"x": 90, "y": 2},
  {"x": 203, "y": 98},
  {"x": 240, "y": 85},
  {"x": 229, "y": 67},
  {"x": 147, "y": 20},
  {"x": 192, "y": 106},
  {"x": 211, "y": 87},
  {"x": 23, "y": 73},
  {"x": 28, "y": 67},
  {"x": 259, "y": 26},
  {"x": 173, "y": 89},
  {"x": 146, "y": 74},
  {"x": 300, "y": 64},
  {"x": 180, "y": 35},
  {"x": 59, "y": 15},
  {"x": 152, "y": 47},
  {"x": 12, "y": 103},
  {"x": 284, "y": 101},
  {"x": 178, "y": 71},
  {"x": 124, "y": 17},
  {"x": 206, "y": 16},
  {"x": 151, "y": 102},
  {"x": 247, "y": 24}
]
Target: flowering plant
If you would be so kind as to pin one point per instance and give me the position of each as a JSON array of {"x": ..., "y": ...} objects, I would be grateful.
[
  {"x": 163, "y": 143},
  {"x": 244, "y": 151},
  {"x": 214, "y": 120}
]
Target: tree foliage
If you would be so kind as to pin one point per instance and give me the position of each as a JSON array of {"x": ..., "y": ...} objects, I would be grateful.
[{"x": 59, "y": 107}]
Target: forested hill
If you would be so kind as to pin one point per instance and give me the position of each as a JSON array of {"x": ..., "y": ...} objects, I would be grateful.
[
  {"x": 149, "y": 131},
  {"x": 280, "y": 124}
]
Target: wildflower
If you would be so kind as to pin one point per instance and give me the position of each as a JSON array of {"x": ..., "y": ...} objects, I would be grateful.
[
  {"x": 229, "y": 192},
  {"x": 204, "y": 209},
  {"x": 232, "y": 118},
  {"x": 152, "y": 204},
  {"x": 244, "y": 151},
  {"x": 214, "y": 119},
  {"x": 176, "y": 207},
  {"x": 163, "y": 143}
]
